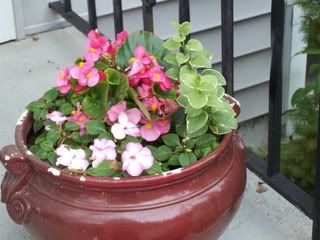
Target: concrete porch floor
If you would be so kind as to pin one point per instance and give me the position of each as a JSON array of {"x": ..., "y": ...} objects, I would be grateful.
[{"x": 29, "y": 67}]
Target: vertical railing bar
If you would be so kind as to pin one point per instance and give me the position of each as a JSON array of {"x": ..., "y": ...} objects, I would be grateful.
[
  {"x": 184, "y": 11},
  {"x": 117, "y": 16},
  {"x": 316, "y": 216},
  {"x": 147, "y": 12},
  {"x": 275, "y": 88},
  {"x": 227, "y": 44},
  {"x": 67, "y": 5},
  {"x": 92, "y": 14}
]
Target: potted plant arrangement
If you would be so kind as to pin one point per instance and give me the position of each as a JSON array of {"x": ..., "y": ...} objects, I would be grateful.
[{"x": 136, "y": 141}]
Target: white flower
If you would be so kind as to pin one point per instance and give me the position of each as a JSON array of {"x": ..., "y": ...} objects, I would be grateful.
[
  {"x": 102, "y": 149},
  {"x": 57, "y": 117},
  {"x": 74, "y": 159},
  {"x": 125, "y": 126}
]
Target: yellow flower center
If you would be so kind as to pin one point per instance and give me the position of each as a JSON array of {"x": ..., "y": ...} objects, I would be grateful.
[
  {"x": 88, "y": 75},
  {"x": 62, "y": 76},
  {"x": 92, "y": 50},
  {"x": 156, "y": 76},
  {"x": 81, "y": 64},
  {"x": 154, "y": 107},
  {"x": 132, "y": 60},
  {"x": 149, "y": 125}
]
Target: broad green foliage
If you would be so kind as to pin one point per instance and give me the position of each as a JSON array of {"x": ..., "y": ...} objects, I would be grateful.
[
  {"x": 151, "y": 42},
  {"x": 201, "y": 87},
  {"x": 298, "y": 152}
]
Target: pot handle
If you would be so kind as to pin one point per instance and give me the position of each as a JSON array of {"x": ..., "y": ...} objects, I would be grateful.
[{"x": 15, "y": 179}]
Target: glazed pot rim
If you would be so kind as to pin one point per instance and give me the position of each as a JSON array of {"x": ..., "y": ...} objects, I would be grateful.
[{"x": 24, "y": 125}]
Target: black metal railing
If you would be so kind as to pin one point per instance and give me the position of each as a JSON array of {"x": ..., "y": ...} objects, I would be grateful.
[{"x": 268, "y": 170}]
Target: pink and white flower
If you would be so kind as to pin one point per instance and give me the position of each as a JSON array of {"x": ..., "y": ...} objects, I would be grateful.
[
  {"x": 74, "y": 159},
  {"x": 63, "y": 81},
  {"x": 157, "y": 75},
  {"x": 85, "y": 73},
  {"x": 102, "y": 150},
  {"x": 136, "y": 159},
  {"x": 57, "y": 117},
  {"x": 127, "y": 124}
]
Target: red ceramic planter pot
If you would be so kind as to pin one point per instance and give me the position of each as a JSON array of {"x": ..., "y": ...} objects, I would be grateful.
[{"x": 196, "y": 202}]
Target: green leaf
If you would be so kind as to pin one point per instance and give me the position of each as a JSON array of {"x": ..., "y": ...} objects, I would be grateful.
[
  {"x": 185, "y": 28},
  {"x": 103, "y": 169},
  {"x": 50, "y": 95},
  {"x": 163, "y": 153},
  {"x": 153, "y": 149},
  {"x": 47, "y": 146},
  {"x": 195, "y": 123},
  {"x": 207, "y": 83},
  {"x": 197, "y": 99},
  {"x": 220, "y": 78},
  {"x": 171, "y": 44},
  {"x": 37, "y": 125},
  {"x": 35, "y": 106},
  {"x": 171, "y": 58},
  {"x": 189, "y": 80},
  {"x": 95, "y": 127},
  {"x": 113, "y": 76},
  {"x": 193, "y": 112},
  {"x": 41, "y": 154},
  {"x": 84, "y": 140},
  {"x": 190, "y": 143},
  {"x": 106, "y": 135},
  {"x": 194, "y": 45},
  {"x": 200, "y": 61},
  {"x": 173, "y": 73},
  {"x": 100, "y": 65},
  {"x": 174, "y": 160},
  {"x": 171, "y": 140},
  {"x": 171, "y": 94},
  {"x": 42, "y": 137},
  {"x": 70, "y": 126},
  {"x": 152, "y": 43},
  {"x": 127, "y": 140},
  {"x": 205, "y": 140},
  {"x": 185, "y": 69},
  {"x": 52, "y": 158},
  {"x": 66, "y": 108},
  {"x": 155, "y": 169},
  {"x": 199, "y": 132},
  {"x": 222, "y": 122},
  {"x": 120, "y": 91},
  {"x": 181, "y": 130},
  {"x": 179, "y": 38},
  {"x": 182, "y": 58},
  {"x": 95, "y": 103},
  {"x": 183, "y": 101},
  {"x": 186, "y": 159},
  {"x": 53, "y": 135}
]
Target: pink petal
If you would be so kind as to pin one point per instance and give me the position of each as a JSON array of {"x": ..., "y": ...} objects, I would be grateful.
[
  {"x": 109, "y": 153},
  {"x": 94, "y": 79},
  {"x": 149, "y": 134},
  {"x": 137, "y": 66},
  {"x": 74, "y": 72},
  {"x": 145, "y": 158},
  {"x": 140, "y": 51},
  {"x": 134, "y": 115},
  {"x": 132, "y": 130}
]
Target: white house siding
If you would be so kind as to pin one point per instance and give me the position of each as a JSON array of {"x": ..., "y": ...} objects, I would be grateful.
[{"x": 251, "y": 36}]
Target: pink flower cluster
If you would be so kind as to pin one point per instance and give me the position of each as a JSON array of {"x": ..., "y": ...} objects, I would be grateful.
[
  {"x": 130, "y": 122},
  {"x": 85, "y": 74}
]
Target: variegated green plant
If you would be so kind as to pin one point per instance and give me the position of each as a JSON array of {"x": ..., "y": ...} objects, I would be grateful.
[{"x": 200, "y": 87}]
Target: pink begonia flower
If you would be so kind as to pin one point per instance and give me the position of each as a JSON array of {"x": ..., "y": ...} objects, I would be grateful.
[
  {"x": 127, "y": 124},
  {"x": 80, "y": 118},
  {"x": 102, "y": 149},
  {"x": 144, "y": 91},
  {"x": 152, "y": 130},
  {"x": 63, "y": 81},
  {"x": 153, "y": 104},
  {"x": 136, "y": 159},
  {"x": 112, "y": 47},
  {"x": 85, "y": 73},
  {"x": 94, "y": 47},
  {"x": 157, "y": 75},
  {"x": 115, "y": 110},
  {"x": 74, "y": 159},
  {"x": 140, "y": 60},
  {"x": 57, "y": 117}
]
